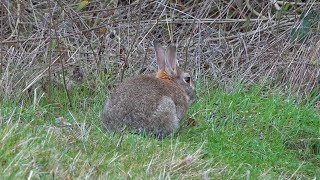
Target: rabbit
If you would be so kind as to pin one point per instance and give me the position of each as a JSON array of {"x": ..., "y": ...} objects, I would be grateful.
[{"x": 148, "y": 104}]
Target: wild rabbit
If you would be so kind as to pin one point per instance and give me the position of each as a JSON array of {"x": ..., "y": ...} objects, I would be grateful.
[{"x": 154, "y": 105}]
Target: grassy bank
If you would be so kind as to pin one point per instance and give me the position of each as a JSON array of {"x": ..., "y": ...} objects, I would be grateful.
[{"x": 244, "y": 133}]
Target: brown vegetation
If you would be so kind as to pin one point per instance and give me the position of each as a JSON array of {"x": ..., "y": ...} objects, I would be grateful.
[{"x": 44, "y": 42}]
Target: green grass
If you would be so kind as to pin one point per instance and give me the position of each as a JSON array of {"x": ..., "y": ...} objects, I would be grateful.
[{"x": 245, "y": 133}]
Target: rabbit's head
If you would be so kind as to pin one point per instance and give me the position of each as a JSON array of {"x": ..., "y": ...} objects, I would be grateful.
[{"x": 168, "y": 69}]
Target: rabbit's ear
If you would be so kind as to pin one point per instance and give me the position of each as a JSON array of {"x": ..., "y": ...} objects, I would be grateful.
[
  {"x": 172, "y": 59},
  {"x": 160, "y": 55}
]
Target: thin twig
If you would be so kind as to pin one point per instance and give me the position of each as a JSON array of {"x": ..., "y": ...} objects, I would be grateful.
[{"x": 61, "y": 60}]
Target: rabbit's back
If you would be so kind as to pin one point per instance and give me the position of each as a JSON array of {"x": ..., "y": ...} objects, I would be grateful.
[{"x": 145, "y": 103}]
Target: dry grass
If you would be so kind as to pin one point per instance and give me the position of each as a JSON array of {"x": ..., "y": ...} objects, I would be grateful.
[{"x": 43, "y": 42}]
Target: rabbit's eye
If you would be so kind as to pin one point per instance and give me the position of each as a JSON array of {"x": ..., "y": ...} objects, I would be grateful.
[{"x": 187, "y": 79}]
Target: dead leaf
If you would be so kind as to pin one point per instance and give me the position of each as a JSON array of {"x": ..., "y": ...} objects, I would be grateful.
[{"x": 192, "y": 122}]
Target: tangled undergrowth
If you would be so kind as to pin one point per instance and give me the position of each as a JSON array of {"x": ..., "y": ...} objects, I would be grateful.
[{"x": 272, "y": 43}]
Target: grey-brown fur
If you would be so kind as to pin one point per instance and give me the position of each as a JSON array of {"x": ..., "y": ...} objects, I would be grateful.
[{"x": 150, "y": 104}]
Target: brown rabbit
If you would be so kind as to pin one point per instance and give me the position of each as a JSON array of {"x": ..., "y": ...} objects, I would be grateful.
[{"x": 148, "y": 104}]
